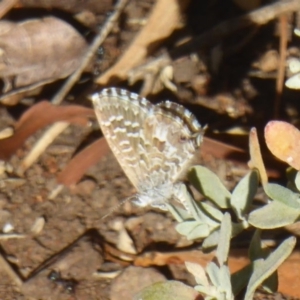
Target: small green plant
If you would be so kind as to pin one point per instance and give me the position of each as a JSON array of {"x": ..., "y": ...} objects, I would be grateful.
[{"x": 210, "y": 221}]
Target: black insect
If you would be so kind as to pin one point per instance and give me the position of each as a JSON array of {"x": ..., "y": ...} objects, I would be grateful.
[{"x": 68, "y": 285}]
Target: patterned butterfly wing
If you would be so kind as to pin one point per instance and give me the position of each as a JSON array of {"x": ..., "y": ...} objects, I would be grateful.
[
  {"x": 121, "y": 116},
  {"x": 154, "y": 144},
  {"x": 179, "y": 135}
]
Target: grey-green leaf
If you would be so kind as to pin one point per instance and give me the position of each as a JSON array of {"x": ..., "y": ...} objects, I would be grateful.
[
  {"x": 273, "y": 215},
  {"x": 194, "y": 210},
  {"x": 212, "y": 213},
  {"x": 262, "y": 269},
  {"x": 283, "y": 195},
  {"x": 225, "y": 282},
  {"x": 256, "y": 252},
  {"x": 198, "y": 272},
  {"x": 210, "y": 186},
  {"x": 199, "y": 232},
  {"x": 297, "y": 180},
  {"x": 244, "y": 193},
  {"x": 167, "y": 290},
  {"x": 224, "y": 241},
  {"x": 193, "y": 229},
  {"x": 213, "y": 272},
  {"x": 186, "y": 227},
  {"x": 212, "y": 240},
  {"x": 271, "y": 283},
  {"x": 255, "y": 249},
  {"x": 177, "y": 212},
  {"x": 240, "y": 279}
]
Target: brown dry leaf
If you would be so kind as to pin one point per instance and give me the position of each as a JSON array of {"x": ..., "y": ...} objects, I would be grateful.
[
  {"x": 17, "y": 95},
  {"x": 275, "y": 169},
  {"x": 256, "y": 161},
  {"x": 237, "y": 259},
  {"x": 177, "y": 257},
  {"x": 39, "y": 116},
  {"x": 38, "y": 50},
  {"x": 283, "y": 140},
  {"x": 223, "y": 151},
  {"x": 6, "y": 5},
  {"x": 76, "y": 168},
  {"x": 164, "y": 19}
]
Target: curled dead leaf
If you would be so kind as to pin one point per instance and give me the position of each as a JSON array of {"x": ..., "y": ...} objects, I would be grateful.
[
  {"x": 256, "y": 161},
  {"x": 164, "y": 19},
  {"x": 89, "y": 156},
  {"x": 283, "y": 140},
  {"x": 37, "y": 50},
  {"x": 39, "y": 116}
]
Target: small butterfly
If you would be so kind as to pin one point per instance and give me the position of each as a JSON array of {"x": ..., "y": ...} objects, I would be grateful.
[{"x": 154, "y": 144}]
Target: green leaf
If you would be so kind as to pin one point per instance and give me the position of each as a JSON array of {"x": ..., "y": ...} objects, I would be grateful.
[
  {"x": 212, "y": 213},
  {"x": 212, "y": 240},
  {"x": 210, "y": 292},
  {"x": 273, "y": 215},
  {"x": 270, "y": 285},
  {"x": 201, "y": 212},
  {"x": 262, "y": 269},
  {"x": 186, "y": 198},
  {"x": 167, "y": 290},
  {"x": 193, "y": 229},
  {"x": 283, "y": 195},
  {"x": 194, "y": 210},
  {"x": 238, "y": 227},
  {"x": 210, "y": 186},
  {"x": 186, "y": 227},
  {"x": 199, "y": 232},
  {"x": 213, "y": 272},
  {"x": 225, "y": 282},
  {"x": 224, "y": 241},
  {"x": 178, "y": 213},
  {"x": 220, "y": 278},
  {"x": 198, "y": 272},
  {"x": 239, "y": 279},
  {"x": 290, "y": 174},
  {"x": 244, "y": 193},
  {"x": 297, "y": 181},
  {"x": 256, "y": 252}
]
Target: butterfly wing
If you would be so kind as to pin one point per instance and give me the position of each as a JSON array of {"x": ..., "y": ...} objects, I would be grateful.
[
  {"x": 154, "y": 144},
  {"x": 173, "y": 135},
  {"x": 121, "y": 116}
]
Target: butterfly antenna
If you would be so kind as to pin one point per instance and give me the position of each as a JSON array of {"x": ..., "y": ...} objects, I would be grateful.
[{"x": 117, "y": 207}]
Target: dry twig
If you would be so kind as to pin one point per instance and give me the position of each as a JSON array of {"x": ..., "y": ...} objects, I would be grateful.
[
  {"x": 92, "y": 49},
  {"x": 164, "y": 20},
  {"x": 281, "y": 68},
  {"x": 10, "y": 272},
  {"x": 40, "y": 146}
]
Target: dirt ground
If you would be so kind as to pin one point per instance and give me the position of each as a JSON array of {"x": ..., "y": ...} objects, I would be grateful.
[{"x": 63, "y": 248}]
